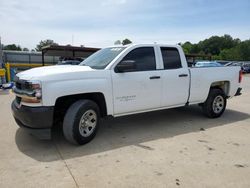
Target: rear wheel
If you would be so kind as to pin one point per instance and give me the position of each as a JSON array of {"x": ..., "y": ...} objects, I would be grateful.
[
  {"x": 81, "y": 122},
  {"x": 215, "y": 104}
]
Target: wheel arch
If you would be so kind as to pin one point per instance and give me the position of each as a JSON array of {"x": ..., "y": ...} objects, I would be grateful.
[
  {"x": 63, "y": 103},
  {"x": 223, "y": 85}
]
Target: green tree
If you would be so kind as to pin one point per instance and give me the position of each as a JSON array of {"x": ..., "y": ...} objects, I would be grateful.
[
  {"x": 211, "y": 45},
  {"x": 44, "y": 43},
  {"x": 195, "y": 49},
  {"x": 187, "y": 46},
  {"x": 244, "y": 50},
  {"x": 118, "y": 42},
  {"x": 215, "y": 44},
  {"x": 231, "y": 54},
  {"x": 229, "y": 42},
  {"x": 12, "y": 47},
  {"x": 241, "y": 52},
  {"x": 25, "y": 49},
  {"x": 220, "y": 47},
  {"x": 126, "y": 41}
]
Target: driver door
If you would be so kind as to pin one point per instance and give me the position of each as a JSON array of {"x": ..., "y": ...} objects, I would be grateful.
[{"x": 138, "y": 89}]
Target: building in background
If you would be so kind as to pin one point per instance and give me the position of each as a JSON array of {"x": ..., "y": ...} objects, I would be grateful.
[
  {"x": 49, "y": 55},
  {"x": 16, "y": 61}
]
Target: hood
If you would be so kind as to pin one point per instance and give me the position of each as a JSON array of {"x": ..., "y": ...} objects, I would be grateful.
[{"x": 47, "y": 71}]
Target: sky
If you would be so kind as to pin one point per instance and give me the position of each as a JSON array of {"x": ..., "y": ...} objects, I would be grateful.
[{"x": 99, "y": 23}]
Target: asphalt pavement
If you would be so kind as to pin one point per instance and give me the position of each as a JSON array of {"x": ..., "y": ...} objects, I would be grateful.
[{"x": 171, "y": 148}]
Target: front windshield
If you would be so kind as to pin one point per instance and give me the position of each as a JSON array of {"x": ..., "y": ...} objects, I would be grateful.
[{"x": 102, "y": 58}]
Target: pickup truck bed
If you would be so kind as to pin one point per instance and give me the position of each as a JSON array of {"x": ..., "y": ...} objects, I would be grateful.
[{"x": 203, "y": 77}]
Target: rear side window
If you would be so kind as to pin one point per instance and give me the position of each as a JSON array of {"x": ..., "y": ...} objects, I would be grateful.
[
  {"x": 171, "y": 58},
  {"x": 144, "y": 58}
]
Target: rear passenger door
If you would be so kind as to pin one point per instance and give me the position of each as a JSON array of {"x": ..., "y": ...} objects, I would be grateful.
[
  {"x": 139, "y": 89},
  {"x": 175, "y": 78}
]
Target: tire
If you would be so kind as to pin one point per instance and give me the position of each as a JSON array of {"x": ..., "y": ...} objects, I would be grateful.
[
  {"x": 215, "y": 104},
  {"x": 81, "y": 122}
]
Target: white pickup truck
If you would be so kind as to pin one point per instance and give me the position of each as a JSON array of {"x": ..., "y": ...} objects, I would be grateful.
[{"x": 117, "y": 81}]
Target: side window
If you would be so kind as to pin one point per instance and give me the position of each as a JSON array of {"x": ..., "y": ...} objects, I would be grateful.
[
  {"x": 144, "y": 58},
  {"x": 171, "y": 58}
]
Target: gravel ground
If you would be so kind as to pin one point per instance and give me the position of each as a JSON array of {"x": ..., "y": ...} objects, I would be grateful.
[{"x": 171, "y": 148}]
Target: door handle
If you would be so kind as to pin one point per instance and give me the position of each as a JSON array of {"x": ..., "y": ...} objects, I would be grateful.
[
  {"x": 154, "y": 77},
  {"x": 183, "y": 75}
]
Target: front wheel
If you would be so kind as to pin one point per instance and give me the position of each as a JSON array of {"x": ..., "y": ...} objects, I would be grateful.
[
  {"x": 215, "y": 104},
  {"x": 81, "y": 122}
]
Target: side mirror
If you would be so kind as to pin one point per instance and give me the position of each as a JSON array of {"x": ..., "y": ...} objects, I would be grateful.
[{"x": 125, "y": 66}]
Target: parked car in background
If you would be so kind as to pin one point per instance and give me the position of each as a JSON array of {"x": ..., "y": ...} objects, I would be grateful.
[
  {"x": 69, "y": 62},
  {"x": 223, "y": 62},
  {"x": 207, "y": 64},
  {"x": 231, "y": 64},
  {"x": 245, "y": 67}
]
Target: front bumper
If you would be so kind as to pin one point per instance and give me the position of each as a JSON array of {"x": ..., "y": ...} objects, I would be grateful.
[{"x": 36, "y": 120}]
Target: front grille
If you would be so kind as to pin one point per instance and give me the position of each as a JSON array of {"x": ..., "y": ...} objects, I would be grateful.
[
  {"x": 18, "y": 100},
  {"x": 18, "y": 85},
  {"x": 22, "y": 85}
]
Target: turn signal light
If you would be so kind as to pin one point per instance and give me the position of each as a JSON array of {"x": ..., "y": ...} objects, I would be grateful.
[{"x": 31, "y": 100}]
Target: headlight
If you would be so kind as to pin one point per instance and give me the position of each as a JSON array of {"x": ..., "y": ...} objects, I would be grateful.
[
  {"x": 37, "y": 88},
  {"x": 30, "y": 92}
]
